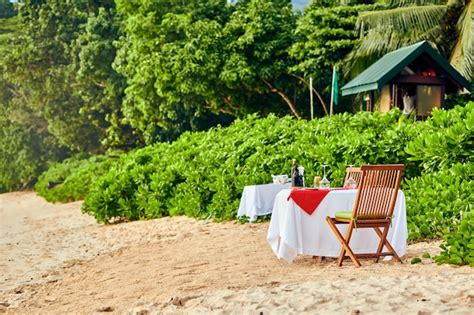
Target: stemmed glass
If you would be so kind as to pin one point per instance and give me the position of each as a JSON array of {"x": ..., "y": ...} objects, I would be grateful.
[
  {"x": 324, "y": 182},
  {"x": 350, "y": 183}
]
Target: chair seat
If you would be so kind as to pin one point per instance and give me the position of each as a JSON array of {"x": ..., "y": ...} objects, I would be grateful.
[{"x": 345, "y": 215}]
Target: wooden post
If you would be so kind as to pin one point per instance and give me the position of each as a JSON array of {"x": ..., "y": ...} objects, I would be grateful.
[
  {"x": 311, "y": 97},
  {"x": 443, "y": 88},
  {"x": 372, "y": 101},
  {"x": 393, "y": 89}
]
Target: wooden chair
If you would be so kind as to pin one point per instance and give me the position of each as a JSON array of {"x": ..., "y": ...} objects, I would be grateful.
[
  {"x": 373, "y": 208},
  {"x": 355, "y": 173}
]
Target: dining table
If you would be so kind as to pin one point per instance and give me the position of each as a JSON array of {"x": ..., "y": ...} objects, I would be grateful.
[
  {"x": 293, "y": 231},
  {"x": 258, "y": 200}
]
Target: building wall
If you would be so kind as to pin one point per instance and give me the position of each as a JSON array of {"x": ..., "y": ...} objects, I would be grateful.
[{"x": 385, "y": 99}]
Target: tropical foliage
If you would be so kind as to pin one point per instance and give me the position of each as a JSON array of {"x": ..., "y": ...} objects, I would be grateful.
[
  {"x": 459, "y": 246},
  {"x": 323, "y": 37},
  {"x": 90, "y": 76},
  {"x": 446, "y": 24},
  {"x": 6, "y": 9},
  {"x": 437, "y": 201},
  {"x": 71, "y": 179}
]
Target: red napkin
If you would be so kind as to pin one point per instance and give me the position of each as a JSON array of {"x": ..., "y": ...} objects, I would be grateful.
[{"x": 308, "y": 199}]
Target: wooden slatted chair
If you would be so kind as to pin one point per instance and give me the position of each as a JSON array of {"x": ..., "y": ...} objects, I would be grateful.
[
  {"x": 373, "y": 208},
  {"x": 355, "y": 173}
]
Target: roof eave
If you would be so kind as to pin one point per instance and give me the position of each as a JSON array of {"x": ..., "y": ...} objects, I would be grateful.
[{"x": 360, "y": 88}]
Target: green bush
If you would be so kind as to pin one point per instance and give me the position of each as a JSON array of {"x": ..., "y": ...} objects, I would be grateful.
[
  {"x": 459, "y": 246},
  {"x": 445, "y": 139},
  {"x": 203, "y": 173},
  {"x": 74, "y": 176},
  {"x": 436, "y": 201}
]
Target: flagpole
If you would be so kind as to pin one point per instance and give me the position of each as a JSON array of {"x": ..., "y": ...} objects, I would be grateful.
[
  {"x": 311, "y": 97},
  {"x": 332, "y": 94}
]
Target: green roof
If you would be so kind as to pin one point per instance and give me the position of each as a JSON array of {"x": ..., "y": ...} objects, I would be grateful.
[{"x": 390, "y": 65}]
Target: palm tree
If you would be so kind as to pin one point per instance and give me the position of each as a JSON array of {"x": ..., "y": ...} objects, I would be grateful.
[{"x": 446, "y": 24}]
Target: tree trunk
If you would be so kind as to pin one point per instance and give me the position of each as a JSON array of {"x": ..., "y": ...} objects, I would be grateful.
[{"x": 284, "y": 97}]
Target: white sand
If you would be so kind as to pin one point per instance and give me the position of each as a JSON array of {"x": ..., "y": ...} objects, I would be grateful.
[{"x": 53, "y": 259}]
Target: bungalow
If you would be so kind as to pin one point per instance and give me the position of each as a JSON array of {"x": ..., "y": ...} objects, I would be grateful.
[{"x": 414, "y": 78}]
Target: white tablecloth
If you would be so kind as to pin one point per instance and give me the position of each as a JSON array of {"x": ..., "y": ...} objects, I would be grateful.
[
  {"x": 258, "y": 199},
  {"x": 292, "y": 231}
]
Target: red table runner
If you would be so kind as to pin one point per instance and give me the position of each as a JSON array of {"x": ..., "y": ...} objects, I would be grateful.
[{"x": 308, "y": 199}]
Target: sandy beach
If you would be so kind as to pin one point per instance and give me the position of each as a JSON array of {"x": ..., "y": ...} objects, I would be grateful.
[{"x": 54, "y": 259}]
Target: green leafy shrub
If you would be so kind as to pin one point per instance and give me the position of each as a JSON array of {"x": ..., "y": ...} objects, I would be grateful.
[
  {"x": 203, "y": 173},
  {"x": 445, "y": 139},
  {"x": 74, "y": 176},
  {"x": 459, "y": 246},
  {"x": 436, "y": 201}
]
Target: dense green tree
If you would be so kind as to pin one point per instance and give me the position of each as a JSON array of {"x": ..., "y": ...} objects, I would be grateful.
[
  {"x": 8, "y": 29},
  {"x": 24, "y": 152},
  {"x": 26, "y": 146},
  {"x": 6, "y": 9},
  {"x": 58, "y": 92},
  {"x": 169, "y": 55},
  {"x": 258, "y": 36},
  {"x": 60, "y": 68},
  {"x": 325, "y": 34},
  {"x": 185, "y": 62},
  {"x": 98, "y": 85}
]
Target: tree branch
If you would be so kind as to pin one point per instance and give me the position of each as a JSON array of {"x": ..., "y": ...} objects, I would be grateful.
[
  {"x": 229, "y": 103},
  {"x": 219, "y": 110},
  {"x": 315, "y": 92},
  {"x": 284, "y": 97},
  {"x": 99, "y": 84}
]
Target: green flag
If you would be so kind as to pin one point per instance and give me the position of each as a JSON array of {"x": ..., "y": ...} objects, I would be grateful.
[{"x": 335, "y": 86}]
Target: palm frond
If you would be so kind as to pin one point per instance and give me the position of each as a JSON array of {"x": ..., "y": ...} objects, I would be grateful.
[
  {"x": 378, "y": 42},
  {"x": 404, "y": 19},
  {"x": 462, "y": 56},
  {"x": 388, "y": 30},
  {"x": 405, "y": 3}
]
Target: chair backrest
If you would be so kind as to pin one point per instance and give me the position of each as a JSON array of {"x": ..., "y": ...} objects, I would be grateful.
[
  {"x": 355, "y": 173},
  {"x": 377, "y": 191}
]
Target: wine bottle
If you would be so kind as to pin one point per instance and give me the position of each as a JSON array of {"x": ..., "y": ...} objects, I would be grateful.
[{"x": 294, "y": 174}]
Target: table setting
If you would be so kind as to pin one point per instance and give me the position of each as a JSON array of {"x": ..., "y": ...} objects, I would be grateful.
[
  {"x": 298, "y": 227},
  {"x": 298, "y": 224},
  {"x": 258, "y": 200}
]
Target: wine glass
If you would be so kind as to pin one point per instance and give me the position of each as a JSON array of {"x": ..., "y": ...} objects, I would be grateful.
[
  {"x": 350, "y": 183},
  {"x": 324, "y": 182}
]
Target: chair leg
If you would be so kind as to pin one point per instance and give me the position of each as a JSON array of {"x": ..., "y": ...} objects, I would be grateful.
[
  {"x": 384, "y": 241},
  {"x": 383, "y": 237},
  {"x": 343, "y": 251},
  {"x": 344, "y": 242}
]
